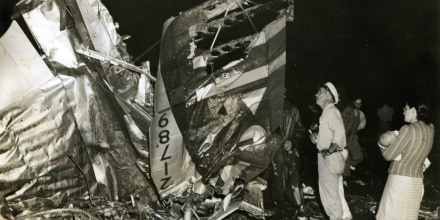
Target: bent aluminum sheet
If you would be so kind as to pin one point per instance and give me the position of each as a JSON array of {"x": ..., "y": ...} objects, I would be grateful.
[
  {"x": 53, "y": 117},
  {"x": 21, "y": 66},
  {"x": 37, "y": 129}
]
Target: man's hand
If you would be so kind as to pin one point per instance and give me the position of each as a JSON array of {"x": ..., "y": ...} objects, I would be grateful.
[
  {"x": 325, "y": 153},
  {"x": 333, "y": 147},
  {"x": 313, "y": 138}
]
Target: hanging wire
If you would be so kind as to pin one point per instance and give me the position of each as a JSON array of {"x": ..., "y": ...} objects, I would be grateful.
[
  {"x": 87, "y": 182},
  {"x": 146, "y": 51},
  {"x": 219, "y": 27},
  {"x": 245, "y": 12}
]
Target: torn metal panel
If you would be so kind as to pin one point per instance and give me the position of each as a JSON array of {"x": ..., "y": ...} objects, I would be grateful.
[
  {"x": 37, "y": 129},
  {"x": 73, "y": 127},
  {"x": 217, "y": 107},
  {"x": 44, "y": 21},
  {"x": 39, "y": 132},
  {"x": 209, "y": 78},
  {"x": 218, "y": 104},
  {"x": 21, "y": 67},
  {"x": 99, "y": 25},
  {"x": 114, "y": 61}
]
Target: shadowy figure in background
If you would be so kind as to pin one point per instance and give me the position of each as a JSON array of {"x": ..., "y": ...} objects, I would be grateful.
[
  {"x": 404, "y": 188},
  {"x": 331, "y": 142},
  {"x": 354, "y": 120},
  {"x": 284, "y": 193},
  {"x": 385, "y": 114},
  {"x": 308, "y": 151},
  {"x": 355, "y": 151},
  {"x": 351, "y": 120},
  {"x": 363, "y": 120}
]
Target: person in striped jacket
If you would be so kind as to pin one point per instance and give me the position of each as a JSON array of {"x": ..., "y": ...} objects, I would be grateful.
[{"x": 403, "y": 190}]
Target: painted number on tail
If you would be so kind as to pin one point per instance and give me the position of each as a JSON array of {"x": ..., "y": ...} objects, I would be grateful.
[{"x": 164, "y": 144}]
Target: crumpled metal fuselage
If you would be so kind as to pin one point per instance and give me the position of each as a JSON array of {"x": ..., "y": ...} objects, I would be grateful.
[
  {"x": 75, "y": 120},
  {"x": 219, "y": 96},
  {"x": 72, "y": 125}
]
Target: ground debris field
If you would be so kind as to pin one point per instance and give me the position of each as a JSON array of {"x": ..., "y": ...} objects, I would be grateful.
[{"x": 362, "y": 197}]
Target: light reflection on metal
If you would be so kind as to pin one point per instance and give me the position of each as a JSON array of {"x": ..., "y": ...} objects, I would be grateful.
[
  {"x": 47, "y": 29},
  {"x": 82, "y": 133},
  {"x": 21, "y": 66},
  {"x": 114, "y": 61},
  {"x": 71, "y": 114}
]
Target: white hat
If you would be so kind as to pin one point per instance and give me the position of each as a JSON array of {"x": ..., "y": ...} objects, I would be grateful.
[{"x": 332, "y": 89}]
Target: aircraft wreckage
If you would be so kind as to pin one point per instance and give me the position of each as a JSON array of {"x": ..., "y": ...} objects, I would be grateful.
[{"x": 85, "y": 133}]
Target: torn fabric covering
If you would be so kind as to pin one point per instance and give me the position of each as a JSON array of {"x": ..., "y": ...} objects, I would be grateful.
[
  {"x": 77, "y": 125},
  {"x": 222, "y": 67}
]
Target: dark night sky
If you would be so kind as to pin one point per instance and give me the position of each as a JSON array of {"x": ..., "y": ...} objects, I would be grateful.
[{"x": 371, "y": 48}]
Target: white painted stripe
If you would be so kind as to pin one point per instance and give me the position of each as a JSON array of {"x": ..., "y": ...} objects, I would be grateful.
[
  {"x": 269, "y": 31},
  {"x": 261, "y": 39},
  {"x": 161, "y": 101},
  {"x": 277, "y": 63},
  {"x": 250, "y": 76},
  {"x": 253, "y": 99},
  {"x": 247, "y": 77},
  {"x": 274, "y": 28}
]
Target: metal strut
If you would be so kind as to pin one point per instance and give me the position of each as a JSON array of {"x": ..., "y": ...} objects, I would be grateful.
[{"x": 102, "y": 57}]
